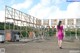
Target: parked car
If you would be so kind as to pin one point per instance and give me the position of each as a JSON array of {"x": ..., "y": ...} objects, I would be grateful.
[
  {"x": 17, "y": 37},
  {"x": 2, "y": 38}
]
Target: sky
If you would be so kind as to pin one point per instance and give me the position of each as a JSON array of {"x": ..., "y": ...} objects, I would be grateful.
[{"x": 43, "y": 9}]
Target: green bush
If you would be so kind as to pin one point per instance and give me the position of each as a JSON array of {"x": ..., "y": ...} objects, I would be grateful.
[
  {"x": 72, "y": 32},
  {"x": 25, "y": 34},
  {"x": 67, "y": 33},
  {"x": 78, "y": 33}
]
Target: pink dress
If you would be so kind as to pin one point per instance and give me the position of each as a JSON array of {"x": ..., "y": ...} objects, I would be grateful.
[{"x": 60, "y": 33}]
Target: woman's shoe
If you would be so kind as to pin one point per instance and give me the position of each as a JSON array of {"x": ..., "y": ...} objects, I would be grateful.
[{"x": 60, "y": 47}]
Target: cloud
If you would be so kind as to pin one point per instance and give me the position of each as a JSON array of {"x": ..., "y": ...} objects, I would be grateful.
[
  {"x": 26, "y": 4},
  {"x": 45, "y": 2},
  {"x": 43, "y": 11},
  {"x": 73, "y": 10},
  {"x": 2, "y": 16},
  {"x": 39, "y": 11},
  {"x": 51, "y": 2},
  {"x": 12, "y": 1}
]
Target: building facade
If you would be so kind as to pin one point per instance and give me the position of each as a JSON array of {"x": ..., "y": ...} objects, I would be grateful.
[{"x": 75, "y": 22}]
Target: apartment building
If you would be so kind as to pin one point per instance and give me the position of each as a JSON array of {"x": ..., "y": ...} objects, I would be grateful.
[{"x": 75, "y": 22}]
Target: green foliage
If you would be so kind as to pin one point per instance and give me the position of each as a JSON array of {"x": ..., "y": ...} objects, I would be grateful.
[
  {"x": 29, "y": 28},
  {"x": 24, "y": 33},
  {"x": 72, "y": 32},
  {"x": 1, "y": 26},
  {"x": 51, "y": 31},
  {"x": 78, "y": 32}
]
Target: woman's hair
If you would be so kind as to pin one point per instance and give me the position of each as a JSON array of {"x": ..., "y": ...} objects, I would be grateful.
[{"x": 59, "y": 24}]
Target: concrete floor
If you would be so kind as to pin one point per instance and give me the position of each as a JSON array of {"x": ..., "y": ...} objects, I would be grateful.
[{"x": 41, "y": 46}]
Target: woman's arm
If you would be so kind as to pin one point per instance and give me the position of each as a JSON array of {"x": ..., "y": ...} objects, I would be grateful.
[
  {"x": 63, "y": 30},
  {"x": 56, "y": 32}
]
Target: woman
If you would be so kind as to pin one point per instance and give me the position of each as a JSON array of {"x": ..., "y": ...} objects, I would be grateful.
[{"x": 60, "y": 34}]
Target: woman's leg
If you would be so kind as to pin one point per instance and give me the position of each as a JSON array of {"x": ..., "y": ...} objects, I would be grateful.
[{"x": 60, "y": 44}]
